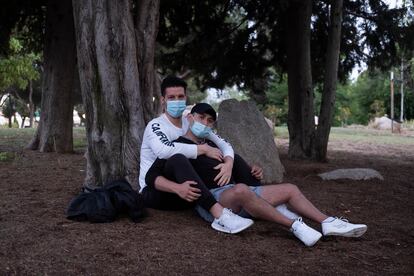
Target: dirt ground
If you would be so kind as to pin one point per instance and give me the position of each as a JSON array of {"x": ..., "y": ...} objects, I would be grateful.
[{"x": 37, "y": 239}]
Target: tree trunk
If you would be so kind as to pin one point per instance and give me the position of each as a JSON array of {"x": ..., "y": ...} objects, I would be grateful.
[
  {"x": 301, "y": 113},
  {"x": 108, "y": 73},
  {"x": 157, "y": 107},
  {"x": 258, "y": 90},
  {"x": 319, "y": 151},
  {"x": 23, "y": 121},
  {"x": 54, "y": 132},
  {"x": 146, "y": 34},
  {"x": 31, "y": 105},
  {"x": 12, "y": 112}
]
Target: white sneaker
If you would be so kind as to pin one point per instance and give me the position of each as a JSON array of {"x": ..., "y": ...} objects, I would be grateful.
[
  {"x": 231, "y": 223},
  {"x": 341, "y": 227},
  {"x": 282, "y": 208},
  {"x": 306, "y": 234}
]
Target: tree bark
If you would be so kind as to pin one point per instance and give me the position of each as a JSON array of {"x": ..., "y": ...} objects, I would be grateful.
[
  {"x": 108, "y": 73},
  {"x": 146, "y": 33},
  {"x": 12, "y": 112},
  {"x": 23, "y": 121},
  {"x": 258, "y": 90},
  {"x": 319, "y": 151},
  {"x": 301, "y": 112},
  {"x": 31, "y": 105},
  {"x": 54, "y": 132}
]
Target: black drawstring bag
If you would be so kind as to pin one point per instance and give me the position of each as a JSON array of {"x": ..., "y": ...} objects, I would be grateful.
[
  {"x": 104, "y": 204},
  {"x": 95, "y": 206},
  {"x": 126, "y": 200}
]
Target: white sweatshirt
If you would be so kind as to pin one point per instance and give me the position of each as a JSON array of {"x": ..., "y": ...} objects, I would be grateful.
[{"x": 157, "y": 143}]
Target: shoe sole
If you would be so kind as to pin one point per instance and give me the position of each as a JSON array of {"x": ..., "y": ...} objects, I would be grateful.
[
  {"x": 225, "y": 230},
  {"x": 354, "y": 233},
  {"x": 313, "y": 243}
]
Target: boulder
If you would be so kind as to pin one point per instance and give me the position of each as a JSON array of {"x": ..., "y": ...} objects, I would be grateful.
[
  {"x": 354, "y": 174},
  {"x": 385, "y": 123},
  {"x": 244, "y": 126}
]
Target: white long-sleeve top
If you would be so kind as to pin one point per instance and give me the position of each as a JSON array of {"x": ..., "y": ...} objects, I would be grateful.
[{"x": 157, "y": 143}]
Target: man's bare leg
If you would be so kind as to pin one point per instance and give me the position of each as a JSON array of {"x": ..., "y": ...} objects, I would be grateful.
[
  {"x": 241, "y": 196},
  {"x": 216, "y": 210},
  {"x": 290, "y": 194}
]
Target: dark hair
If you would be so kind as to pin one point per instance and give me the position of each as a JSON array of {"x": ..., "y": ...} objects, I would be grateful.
[
  {"x": 172, "y": 81},
  {"x": 204, "y": 108}
]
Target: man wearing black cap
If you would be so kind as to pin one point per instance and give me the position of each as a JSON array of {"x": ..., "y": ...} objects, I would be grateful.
[
  {"x": 158, "y": 142},
  {"x": 257, "y": 201}
]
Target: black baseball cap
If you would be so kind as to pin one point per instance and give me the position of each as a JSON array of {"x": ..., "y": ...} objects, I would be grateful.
[{"x": 204, "y": 108}]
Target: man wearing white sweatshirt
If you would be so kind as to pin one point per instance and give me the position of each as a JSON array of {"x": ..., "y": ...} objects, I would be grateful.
[{"x": 157, "y": 143}]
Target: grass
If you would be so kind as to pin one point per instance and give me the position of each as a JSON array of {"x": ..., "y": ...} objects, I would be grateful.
[
  {"x": 6, "y": 156},
  {"x": 15, "y": 138},
  {"x": 18, "y": 138},
  {"x": 79, "y": 138},
  {"x": 359, "y": 135}
]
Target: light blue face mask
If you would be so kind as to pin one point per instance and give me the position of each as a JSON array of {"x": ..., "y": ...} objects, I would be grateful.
[
  {"x": 176, "y": 108},
  {"x": 200, "y": 130}
]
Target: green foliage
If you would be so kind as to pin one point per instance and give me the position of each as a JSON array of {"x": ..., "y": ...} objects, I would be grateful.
[
  {"x": 409, "y": 124},
  {"x": 235, "y": 93},
  {"x": 19, "y": 67},
  {"x": 342, "y": 109},
  {"x": 369, "y": 97},
  {"x": 6, "y": 156},
  {"x": 226, "y": 43},
  {"x": 194, "y": 95},
  {"x": 8, "y": 108},
  {"x": 277, "y": 94},
  {"x": 356, "y": 103}
]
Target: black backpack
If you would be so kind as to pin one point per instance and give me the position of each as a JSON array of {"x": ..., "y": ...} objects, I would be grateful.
[{"x": 104, "y": 204}]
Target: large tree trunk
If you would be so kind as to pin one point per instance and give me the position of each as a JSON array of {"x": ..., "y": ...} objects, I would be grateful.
[
  {"x": 54, "y": 132},
  {"x": 329, "y": 89},
  {"x": 146, "y": 34},
  {"x": 109, "y": 81},
  {"x": 301, "y": 112}
]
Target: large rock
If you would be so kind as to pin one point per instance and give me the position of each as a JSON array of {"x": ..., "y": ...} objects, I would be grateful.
[
  {"x": 386, "y": 123},
  {"x": 244, "y": 126}
]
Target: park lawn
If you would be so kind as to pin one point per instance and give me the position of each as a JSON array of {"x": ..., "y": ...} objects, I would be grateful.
[
  {"x": 18, "y": 138},
  {"x": 361, "y": 135}
]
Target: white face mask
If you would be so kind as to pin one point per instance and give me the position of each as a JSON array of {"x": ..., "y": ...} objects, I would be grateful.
[
  {"x": 200, "y": 130},
  {"x": 176, "y": 108}
]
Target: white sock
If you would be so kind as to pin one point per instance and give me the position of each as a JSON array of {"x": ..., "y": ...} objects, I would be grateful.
[{"x": 329, "y": 219}]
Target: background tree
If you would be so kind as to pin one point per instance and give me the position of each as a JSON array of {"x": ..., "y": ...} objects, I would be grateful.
[
  {"x": 147, "y": 21},
  {"x": 9, "y": 110},
  {"x": 17, "y": 72},
  {"x": 320, "y": 145},
  {"x": 301, "y": 110},
  {"x": 54, "y": 132}
]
